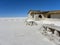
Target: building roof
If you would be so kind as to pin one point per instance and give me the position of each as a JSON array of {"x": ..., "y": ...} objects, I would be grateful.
[
  {"x": 37, "y": 12},
  {"x": 44, "y": 12},
  {"x": 55, "y": 12}
]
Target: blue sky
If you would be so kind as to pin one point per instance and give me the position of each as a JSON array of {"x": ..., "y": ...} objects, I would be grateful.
[{"x": 20, "y": 8}]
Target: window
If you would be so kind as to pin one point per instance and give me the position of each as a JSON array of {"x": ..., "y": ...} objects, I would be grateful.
[{"x": 49, "y": 16}]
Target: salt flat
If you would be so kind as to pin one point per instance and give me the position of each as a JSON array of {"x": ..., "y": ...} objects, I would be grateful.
[{"x": 13, "y": 31}]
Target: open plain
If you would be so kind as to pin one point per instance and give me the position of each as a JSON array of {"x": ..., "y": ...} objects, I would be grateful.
[{"x": 13, "y": 31}]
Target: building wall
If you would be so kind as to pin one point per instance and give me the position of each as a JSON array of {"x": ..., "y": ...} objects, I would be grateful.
[
  {"x": 29, "y": 16},
  {"x": 36, "y": 17},
  {"x": 55, "y": 15}
]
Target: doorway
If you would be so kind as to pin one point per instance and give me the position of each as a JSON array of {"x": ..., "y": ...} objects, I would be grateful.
[{"x": 40, "y": 16}]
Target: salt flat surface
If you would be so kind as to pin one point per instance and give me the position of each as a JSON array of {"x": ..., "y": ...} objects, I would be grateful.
[
  {"x": 13, "y": 31},
  {"x": 52, "y": 21}
]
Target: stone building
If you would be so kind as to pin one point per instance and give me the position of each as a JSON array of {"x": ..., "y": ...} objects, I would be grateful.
[
  {"x": 37, "y": 14},
  {"x": 50, "y": 30}
]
